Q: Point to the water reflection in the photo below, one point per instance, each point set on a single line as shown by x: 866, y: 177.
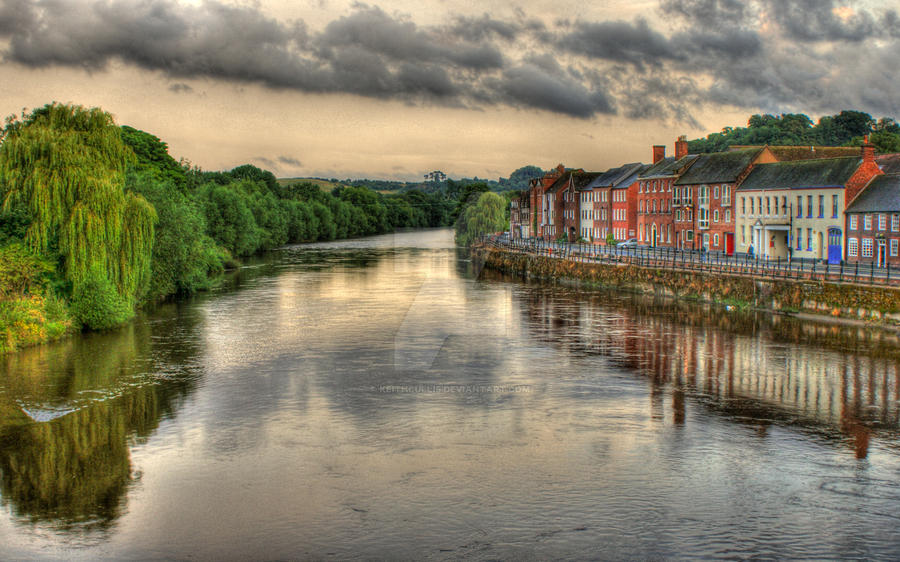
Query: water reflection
x: 841, y: 381
x: 253, y: 422
x: 70, y: 412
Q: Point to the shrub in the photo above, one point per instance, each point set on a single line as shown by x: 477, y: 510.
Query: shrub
x: 97, y: 305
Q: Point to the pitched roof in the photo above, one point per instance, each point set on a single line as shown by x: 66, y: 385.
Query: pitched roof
x: 791, y: 153
x: 611, y: 176
x: 668, y: 166
x: 719, y: 166
x: 889, y: 163
x: 825, y: 172
x: 583, y: 179
x: 626, y: 181
x: 881, y: 195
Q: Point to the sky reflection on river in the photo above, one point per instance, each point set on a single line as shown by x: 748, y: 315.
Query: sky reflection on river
x: 372, y: 398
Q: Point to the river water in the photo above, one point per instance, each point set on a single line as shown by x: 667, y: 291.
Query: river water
x: 381, y: 398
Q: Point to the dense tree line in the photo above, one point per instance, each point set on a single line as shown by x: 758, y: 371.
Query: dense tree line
x: 104, y: 219
x: 847, y: 128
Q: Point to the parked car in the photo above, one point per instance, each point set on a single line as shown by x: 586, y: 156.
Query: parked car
x: 630, y: 243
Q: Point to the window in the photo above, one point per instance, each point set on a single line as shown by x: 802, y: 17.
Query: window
x: 867, y: 221
x: 834, y: 206
x: 894, y: 244
x: 784, y: 210
x: 821, y: 206
x: 768, y: 206
x: 895, y: 223
x: 716, y: 217
x: 715, y: 240
x: 799, y: 239
x: 809, y: 239
x: 727, y: 215
x: 715, y: 192
x: 799, y: 206
x: 726, y: 195
x: 743, y: 235
x: 867, y: 247
x: 654, y: 205
x: 704, y: 218
x: 704, y: 195
x: 743, y: 206
x: 752, y: 207
x: 852, y: 247
x: 853, y: 222
x: 882, y: 222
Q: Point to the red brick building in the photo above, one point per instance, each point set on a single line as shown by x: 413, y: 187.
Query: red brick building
x: 657, y: 204
x: 705, y: 192
x: 623, y: 206
x: 540, y: 210
x: 873, y: 223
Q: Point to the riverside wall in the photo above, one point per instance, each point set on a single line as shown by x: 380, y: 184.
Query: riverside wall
x: 840, y: 300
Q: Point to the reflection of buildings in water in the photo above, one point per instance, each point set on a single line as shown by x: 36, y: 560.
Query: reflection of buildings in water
x: 753, y: 367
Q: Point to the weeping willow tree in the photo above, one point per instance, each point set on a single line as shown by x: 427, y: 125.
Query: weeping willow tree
x: 485, y: 216
x: 66, y: 166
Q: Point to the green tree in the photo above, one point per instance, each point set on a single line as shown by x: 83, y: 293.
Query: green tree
x: 66, y: 165
x: 484, y: 217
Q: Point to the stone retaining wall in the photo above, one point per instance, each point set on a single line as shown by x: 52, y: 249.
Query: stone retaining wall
x: 881, y: 304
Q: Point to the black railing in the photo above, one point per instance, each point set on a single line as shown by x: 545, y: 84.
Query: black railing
x: 699, y: 260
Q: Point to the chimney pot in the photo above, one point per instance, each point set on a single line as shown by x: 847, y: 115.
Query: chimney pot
x: 681, y: 147
x: 659, y: 152
x: 868, y: 151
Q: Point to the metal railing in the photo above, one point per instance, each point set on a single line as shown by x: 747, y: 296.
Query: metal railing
x: 698, y: 260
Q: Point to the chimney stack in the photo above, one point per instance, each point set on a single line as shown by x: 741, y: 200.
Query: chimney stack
x: 681, y: 147
x: 659, y: 152
x: 868, y: 150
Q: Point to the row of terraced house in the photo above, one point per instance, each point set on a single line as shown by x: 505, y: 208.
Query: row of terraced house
x: 821, y: 203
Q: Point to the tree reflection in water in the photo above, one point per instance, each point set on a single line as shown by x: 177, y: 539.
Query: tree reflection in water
x: 70, y: 411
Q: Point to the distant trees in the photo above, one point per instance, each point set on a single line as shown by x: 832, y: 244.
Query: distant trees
x: 846, y: 128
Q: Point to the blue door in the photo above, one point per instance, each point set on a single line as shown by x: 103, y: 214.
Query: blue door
x: 834, y: 245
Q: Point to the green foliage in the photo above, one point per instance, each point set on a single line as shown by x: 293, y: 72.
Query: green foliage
x: 610, y: 240
x: 184, y: 257
x: 22, y: 272
x: 229, y: 219
x: 798, y: 129
x: 152, y: 156
x: 884, y: 141
x: 66, y: 166
x: 485, y: 216
x: 97, y: 305
x: 32, y: 320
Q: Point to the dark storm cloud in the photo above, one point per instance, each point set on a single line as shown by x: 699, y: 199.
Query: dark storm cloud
x: 377, y: 32
x: 289, y: 161
x: 818, y: 20
x: 180, y: 88
x: 619, y: 41
x: 532, y: 86
x: 807, y: 55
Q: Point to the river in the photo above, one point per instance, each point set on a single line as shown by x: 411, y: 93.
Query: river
x: 381, y: 398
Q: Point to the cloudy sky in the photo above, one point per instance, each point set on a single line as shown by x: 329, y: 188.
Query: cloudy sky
x: 336, y: 88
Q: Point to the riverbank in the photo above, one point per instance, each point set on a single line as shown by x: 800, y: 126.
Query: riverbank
x: 846, y: 301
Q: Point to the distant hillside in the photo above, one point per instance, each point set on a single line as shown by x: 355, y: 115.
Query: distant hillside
x: 846, y: 128
x: 518, y: 179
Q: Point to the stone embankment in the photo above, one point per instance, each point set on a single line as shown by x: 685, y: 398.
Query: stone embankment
x: 840, y: 300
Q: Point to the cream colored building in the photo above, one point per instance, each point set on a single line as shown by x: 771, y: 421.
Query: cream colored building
x: 794, y: 209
